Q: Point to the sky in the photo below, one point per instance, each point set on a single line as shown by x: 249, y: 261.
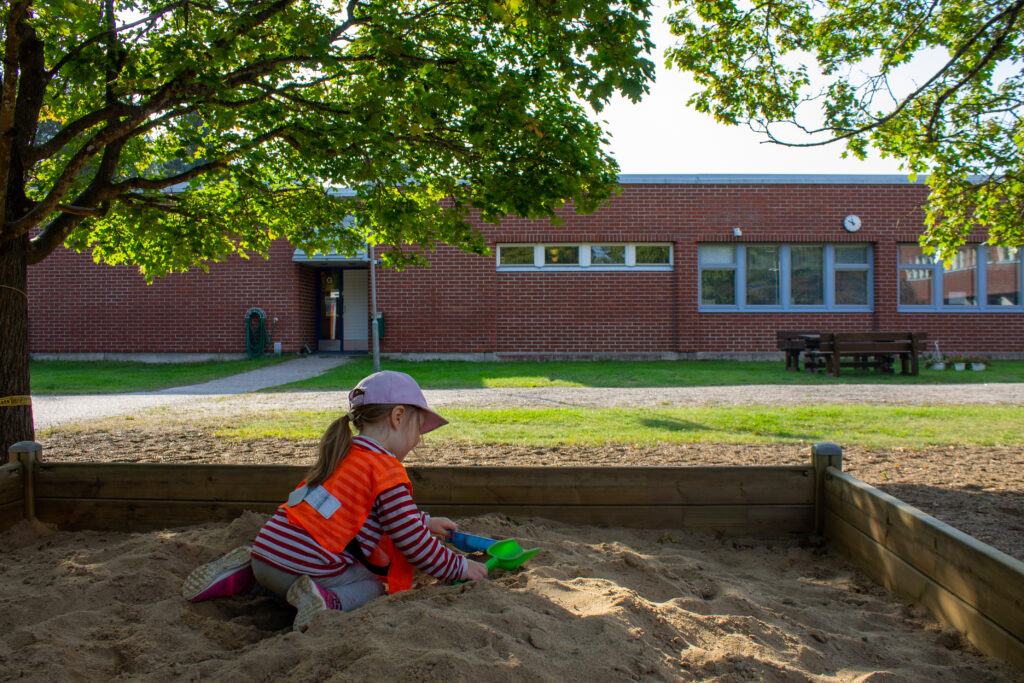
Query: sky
x: 661, y: 135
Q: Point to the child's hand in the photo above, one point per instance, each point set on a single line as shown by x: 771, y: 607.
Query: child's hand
x: 474, y: 571
x: 442, y: 526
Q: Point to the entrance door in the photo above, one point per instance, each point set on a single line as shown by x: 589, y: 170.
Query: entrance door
x: 330, y: 311
x: 356, y: 327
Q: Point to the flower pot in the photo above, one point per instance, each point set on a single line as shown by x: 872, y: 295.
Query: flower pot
x: 977, y: 366
x: 938, y: 366
x: 959, y: 366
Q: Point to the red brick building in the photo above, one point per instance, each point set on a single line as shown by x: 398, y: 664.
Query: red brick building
x: 675, y: 266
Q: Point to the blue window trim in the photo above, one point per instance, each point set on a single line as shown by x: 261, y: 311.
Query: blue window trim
x: 785, y: 263
x: 981, y: 283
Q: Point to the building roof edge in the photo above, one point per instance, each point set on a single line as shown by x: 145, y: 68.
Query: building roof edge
x: 767, y: 179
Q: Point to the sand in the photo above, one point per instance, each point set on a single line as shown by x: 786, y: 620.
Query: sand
x: 594, y: 604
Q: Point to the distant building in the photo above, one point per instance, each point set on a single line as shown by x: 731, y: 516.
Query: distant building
x: 674, y: 266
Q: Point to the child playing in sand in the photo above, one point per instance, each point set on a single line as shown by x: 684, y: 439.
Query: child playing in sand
x: 351, y: 528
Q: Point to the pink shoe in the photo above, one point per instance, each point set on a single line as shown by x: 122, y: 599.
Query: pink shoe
x: 309, y: 599
x: 229, y: 575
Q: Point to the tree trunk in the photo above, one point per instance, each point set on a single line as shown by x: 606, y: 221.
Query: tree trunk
x: 15, y: 409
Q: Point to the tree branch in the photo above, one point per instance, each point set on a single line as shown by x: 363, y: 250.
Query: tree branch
x: 80, y: 210
x: 52, y: 236
x: 905, y: 102
x: 74, y: 52
x: 1000, y: 40
x: 77, y: 127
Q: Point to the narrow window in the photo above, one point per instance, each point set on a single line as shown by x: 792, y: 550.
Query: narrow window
x: 916, y: 269
x: 718, y: 274
x: 807, y: 275
x: 1003, y: 276
x: 960, y: 279
x: 762, y: 276
x: 851, y: 274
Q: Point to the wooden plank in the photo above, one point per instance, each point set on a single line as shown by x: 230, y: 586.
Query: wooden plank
x: 174, y: 482
x: 902, y: 579
x: 11, y: 484
x: 11, y: 514
x: 614, y: 485
x: 138, y: 515
x: 988, y: 580
x: 879, y: 336
x: 782, y: 485
x: 849, y: 348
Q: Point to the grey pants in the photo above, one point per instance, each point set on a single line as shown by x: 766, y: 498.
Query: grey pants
x: 354, y: 587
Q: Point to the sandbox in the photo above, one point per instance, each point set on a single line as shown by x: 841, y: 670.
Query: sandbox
x: 678, y: 572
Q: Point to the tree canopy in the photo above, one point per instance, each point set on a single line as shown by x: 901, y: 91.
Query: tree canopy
x: 169, y: 132
x: 936, y: 84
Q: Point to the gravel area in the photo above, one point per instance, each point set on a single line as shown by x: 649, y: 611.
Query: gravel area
x: 770, y: 394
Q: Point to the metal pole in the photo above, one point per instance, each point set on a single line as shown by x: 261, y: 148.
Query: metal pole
x: 373, y: 321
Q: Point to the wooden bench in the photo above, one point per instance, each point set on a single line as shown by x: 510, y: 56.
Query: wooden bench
x: 865, y: 350
x: 793, y: 343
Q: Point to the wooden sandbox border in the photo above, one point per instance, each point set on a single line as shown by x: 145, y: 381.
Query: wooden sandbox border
x: 961, y: 581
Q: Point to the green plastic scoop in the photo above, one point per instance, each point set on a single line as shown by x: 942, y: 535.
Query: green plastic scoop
x: 508, y: 554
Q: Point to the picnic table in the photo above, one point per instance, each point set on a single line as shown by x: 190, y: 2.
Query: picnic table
x: 832, y: 351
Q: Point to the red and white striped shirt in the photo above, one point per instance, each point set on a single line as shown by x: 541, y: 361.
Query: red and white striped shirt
x: 290, y: 548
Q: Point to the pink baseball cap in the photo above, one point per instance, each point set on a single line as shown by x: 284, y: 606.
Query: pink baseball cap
x: 388, y: 386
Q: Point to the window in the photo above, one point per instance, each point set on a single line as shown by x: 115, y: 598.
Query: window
x: 516, y: 256
x: 762, y: 276
x: 782, y: 277
x: 596, y: 257
x: 653, y: 254
x: 807, y: 275
x: 1002, y: 265
x: 561, y: 256
x: 852, y: 264
x: 608, y: 255
x: 718, y: 275
x: 980, y: 277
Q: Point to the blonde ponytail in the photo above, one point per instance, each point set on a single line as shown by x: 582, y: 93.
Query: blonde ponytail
x: 337, y: 440
x: 333, y: 448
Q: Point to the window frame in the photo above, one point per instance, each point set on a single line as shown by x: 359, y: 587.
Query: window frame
x: 739, y: 266
x: 980, y: 282
x: 584, y: 257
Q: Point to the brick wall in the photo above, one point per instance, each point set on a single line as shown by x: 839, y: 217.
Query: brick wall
x: 77, y: 306
x: 462, y: 304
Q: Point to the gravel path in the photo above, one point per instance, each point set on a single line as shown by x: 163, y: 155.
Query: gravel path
x: 864, y: 394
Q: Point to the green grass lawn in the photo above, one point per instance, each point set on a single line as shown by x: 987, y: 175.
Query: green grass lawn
x: 110, y: 377
x: 685, y: 373
x: 866, y: 426
x: 103, y: 377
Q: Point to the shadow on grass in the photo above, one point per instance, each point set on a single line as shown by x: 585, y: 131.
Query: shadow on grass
x: 671, y: 424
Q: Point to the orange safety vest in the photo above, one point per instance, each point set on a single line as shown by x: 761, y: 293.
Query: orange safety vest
x: 334, y: 512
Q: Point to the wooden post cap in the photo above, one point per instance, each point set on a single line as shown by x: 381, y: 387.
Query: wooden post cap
x: 826, y: 448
